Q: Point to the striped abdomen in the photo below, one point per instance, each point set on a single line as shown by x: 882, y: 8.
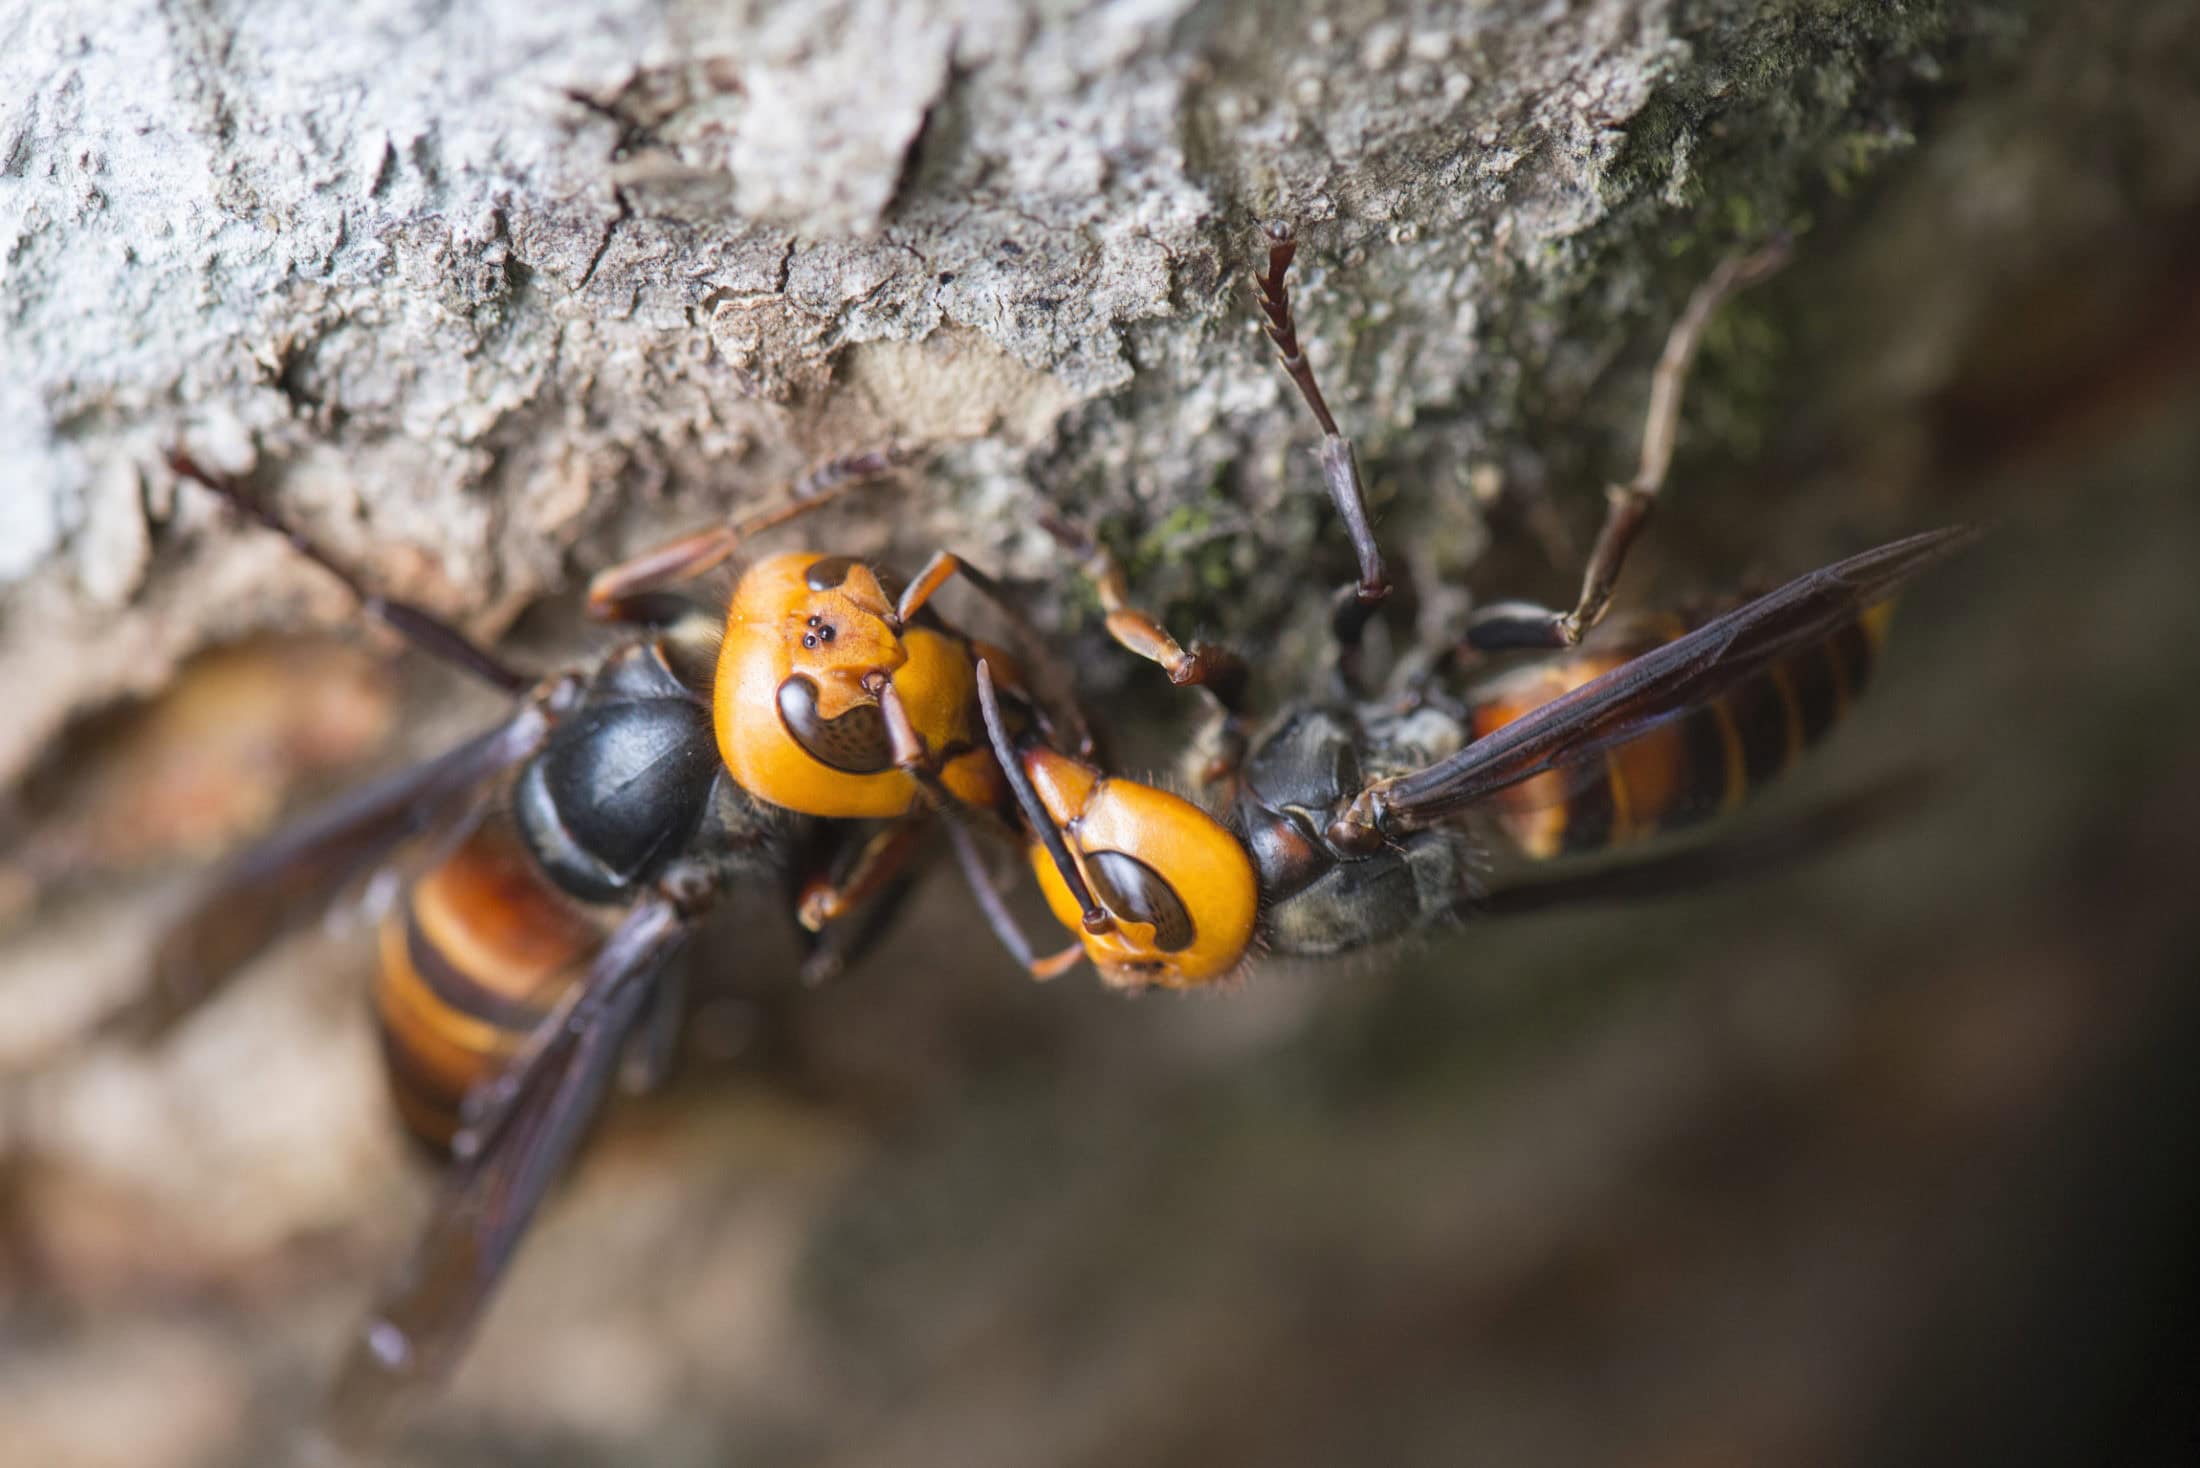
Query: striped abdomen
x: 1687, y: 768
x: 478, y: 952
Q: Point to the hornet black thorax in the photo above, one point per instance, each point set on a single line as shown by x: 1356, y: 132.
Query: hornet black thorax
x: 1299, y: 775
x: 626, y: 782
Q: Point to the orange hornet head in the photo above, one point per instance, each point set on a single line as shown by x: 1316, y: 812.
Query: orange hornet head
x: 795, y: 723
x: 1174, y: 889
x: 796, y: 698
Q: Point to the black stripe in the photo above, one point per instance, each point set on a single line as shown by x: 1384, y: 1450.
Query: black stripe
x: 1589, y: 815
x: 462, y: 992
x: 1853, y: 646
x: 408, y: 1075
x: 1702, y: 778
x: 1761, y: 722
x: 1817, y: 685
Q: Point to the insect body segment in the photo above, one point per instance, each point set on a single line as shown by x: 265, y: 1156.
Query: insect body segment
x: 491, y: 938
x: 472, y: 962
x: 811, y: 643
x: 1692, y: 765
x: 1320, y: 897
x: 1157, y: 891
x: 1177, y: 887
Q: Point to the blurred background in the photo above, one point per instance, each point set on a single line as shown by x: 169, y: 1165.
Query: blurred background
x: 1891, y: 1158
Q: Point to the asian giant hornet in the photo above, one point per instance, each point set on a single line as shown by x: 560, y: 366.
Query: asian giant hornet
x: 560, y: 858
x: 1349, y: 821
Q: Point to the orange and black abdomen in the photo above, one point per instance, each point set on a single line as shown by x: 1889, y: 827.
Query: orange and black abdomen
x: 479, y: 951
x: 1687, y: 768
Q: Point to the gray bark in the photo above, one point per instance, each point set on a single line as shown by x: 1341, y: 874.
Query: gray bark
x: 495, y: 290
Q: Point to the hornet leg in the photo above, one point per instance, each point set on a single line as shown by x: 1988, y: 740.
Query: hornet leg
x: 422, y: 628
x: 631, y: 590
x: 1355, y: 603
x: 1504, y: 626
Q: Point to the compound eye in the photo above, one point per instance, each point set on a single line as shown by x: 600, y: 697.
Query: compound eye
x: 855, y: 743
x: 1132, y: 890
x: 828, y: 573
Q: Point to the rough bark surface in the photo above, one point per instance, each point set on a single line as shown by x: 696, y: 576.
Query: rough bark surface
x: 492, y: 291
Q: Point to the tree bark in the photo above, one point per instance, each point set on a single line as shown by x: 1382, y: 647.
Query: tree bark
x: 488, y: 293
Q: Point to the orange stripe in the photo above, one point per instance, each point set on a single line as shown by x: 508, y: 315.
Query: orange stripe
x: 496, y: 917
x: 1844, y: 690
x: 1623, y: 816
x: 1737, y: 766
x: 454, y: 1048
x: 1655, y: 769
x: 510, y: 942
x: 1536, y: 812
x: 1785, y: 687
x: 1535, y: 815
x: 1874, y: 622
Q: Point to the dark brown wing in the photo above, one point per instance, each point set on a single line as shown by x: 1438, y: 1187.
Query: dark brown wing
x: 1666, y: 681
x: 291, y: 878
x: 423, y: 1321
